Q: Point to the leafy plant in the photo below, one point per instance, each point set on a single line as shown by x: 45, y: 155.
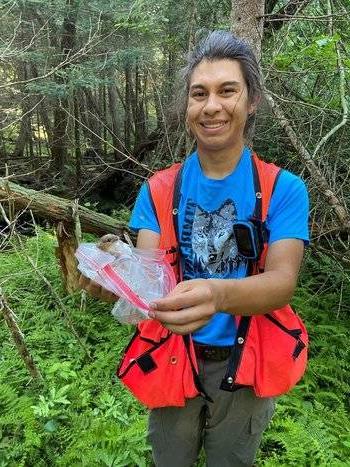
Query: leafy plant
x: 81, y: 416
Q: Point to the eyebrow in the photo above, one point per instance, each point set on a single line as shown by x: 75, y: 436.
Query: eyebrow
x: 225, y: 83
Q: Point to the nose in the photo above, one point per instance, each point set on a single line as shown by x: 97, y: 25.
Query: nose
x: 212, y: 105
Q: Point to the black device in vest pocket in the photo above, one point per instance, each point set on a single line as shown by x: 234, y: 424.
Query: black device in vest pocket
x: 249, y: 239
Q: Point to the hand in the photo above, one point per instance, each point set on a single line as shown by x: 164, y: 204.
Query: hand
x: 188, y: 307
x: 96, y: 290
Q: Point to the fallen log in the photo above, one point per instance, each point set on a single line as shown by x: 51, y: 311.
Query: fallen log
x: 65, y: 214
x: 58, y: 209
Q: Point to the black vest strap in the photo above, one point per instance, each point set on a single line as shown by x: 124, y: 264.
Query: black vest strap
x: 257, y: 190
x: 196, y: 379
x: 176, y: 202
x: 227, y: 383
x: 175, y: 214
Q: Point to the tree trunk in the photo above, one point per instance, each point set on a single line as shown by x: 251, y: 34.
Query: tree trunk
x: 115, y: 118
x: 138, y: 109
x: 23, y: 136
x: 3, y: 151
x: 67, y: 245
x: 247, y: 22
x: 192, y: 25
x: 59, y: 143
x: 25, y: 132
x: 103, y: 104
x: 127, y: 119
x: 60, y: 139
x: 77, y: 145
x: 44, y: 115
x: 93, y: 117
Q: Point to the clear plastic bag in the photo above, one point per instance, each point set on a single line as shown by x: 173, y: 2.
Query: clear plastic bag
x: 136, y: 276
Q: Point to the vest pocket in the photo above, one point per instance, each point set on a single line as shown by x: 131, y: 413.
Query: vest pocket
x: 283, y: 343
x: 156, y: 367
x: 294, y: 333
x: 273, y: 353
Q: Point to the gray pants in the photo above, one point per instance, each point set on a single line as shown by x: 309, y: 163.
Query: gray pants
x: 230, y: 428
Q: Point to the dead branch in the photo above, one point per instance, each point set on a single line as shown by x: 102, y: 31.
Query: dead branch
x: 287, y: 12
x: 18, y: 339
x: 342, y: 92
x: 70, y: 58
x: 271, y: 17
x: 126, y: 156
x: 339, y: 208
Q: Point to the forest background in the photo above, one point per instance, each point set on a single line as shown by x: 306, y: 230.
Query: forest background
x: 87, y: 112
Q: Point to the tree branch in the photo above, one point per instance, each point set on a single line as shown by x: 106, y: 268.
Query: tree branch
x: 18, y: 338
x: 339, y: 208
x: 276, y: 20
x: 342, y: 85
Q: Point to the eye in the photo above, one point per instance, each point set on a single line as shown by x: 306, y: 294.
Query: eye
x: 228, y: 91
x: 198, y: 94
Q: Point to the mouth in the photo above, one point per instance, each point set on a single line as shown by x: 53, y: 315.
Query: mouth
x: 213, y: 125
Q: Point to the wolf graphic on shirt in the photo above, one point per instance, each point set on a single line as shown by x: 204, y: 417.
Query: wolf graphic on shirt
x: 213, y: 245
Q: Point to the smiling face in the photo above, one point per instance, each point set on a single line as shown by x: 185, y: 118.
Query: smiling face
x: 218, y: 105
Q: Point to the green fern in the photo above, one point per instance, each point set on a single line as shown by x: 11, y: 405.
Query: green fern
x: 78, y: 417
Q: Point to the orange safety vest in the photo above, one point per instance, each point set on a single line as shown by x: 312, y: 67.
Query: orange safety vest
x: 270, y: 350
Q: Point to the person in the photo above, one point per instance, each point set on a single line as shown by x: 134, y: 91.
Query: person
x: 222, y: 92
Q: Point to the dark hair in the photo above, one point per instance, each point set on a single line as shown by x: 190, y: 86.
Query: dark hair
x: 223, y: 45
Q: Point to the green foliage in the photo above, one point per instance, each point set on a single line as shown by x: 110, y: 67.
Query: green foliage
x: 143, y: 17
x: 77, y: 417
x: 319, y: 53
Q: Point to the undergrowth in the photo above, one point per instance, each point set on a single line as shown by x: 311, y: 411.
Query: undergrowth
x: 81, y: 416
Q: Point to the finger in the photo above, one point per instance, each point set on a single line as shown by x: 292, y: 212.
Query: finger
x: 181, y: 300
x: 186, y: 329
x: 182, y: 317
x: 186, y: 286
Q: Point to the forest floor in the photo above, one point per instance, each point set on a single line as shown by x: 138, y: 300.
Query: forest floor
x: 80, y: 415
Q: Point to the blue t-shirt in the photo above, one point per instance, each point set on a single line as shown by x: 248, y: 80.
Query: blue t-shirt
x: 207, y: 209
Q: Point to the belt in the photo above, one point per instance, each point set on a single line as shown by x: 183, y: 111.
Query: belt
x: 212, y: 352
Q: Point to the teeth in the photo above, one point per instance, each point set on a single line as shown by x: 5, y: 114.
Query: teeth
x: 215, y: 125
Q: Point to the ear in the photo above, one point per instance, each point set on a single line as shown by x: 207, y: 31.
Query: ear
x: 254, y: 105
